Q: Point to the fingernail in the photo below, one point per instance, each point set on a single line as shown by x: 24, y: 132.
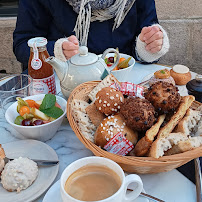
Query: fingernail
x: 75, y: 42
x: 144, y: 38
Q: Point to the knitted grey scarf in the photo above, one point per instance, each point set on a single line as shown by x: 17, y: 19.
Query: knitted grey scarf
x: 101, y: 10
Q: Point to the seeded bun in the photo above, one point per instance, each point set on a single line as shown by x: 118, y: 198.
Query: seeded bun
x: 112, y: 125
x: 180, y: 74
x: 109, y: 101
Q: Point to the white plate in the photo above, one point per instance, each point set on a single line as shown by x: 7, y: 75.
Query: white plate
x: 182, y: 89
x: 53, y: 195
x: 36, y: 150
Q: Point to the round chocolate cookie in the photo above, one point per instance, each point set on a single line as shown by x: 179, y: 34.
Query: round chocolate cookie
x: 163, y: 96
x: 138, y: 113
x: 109, y: 100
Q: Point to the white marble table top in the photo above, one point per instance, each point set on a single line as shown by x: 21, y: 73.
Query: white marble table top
x: 171, y: 186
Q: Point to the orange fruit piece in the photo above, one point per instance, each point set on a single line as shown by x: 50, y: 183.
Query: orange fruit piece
x: 32, y: 104
x: 24, y: 110
x: 121, y: 60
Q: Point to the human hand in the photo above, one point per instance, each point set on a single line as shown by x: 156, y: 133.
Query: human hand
x: 70, y: 47
x: 153, y: 37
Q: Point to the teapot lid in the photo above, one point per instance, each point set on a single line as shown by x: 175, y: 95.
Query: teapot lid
x: 84, y: 57
x: 195, y: 84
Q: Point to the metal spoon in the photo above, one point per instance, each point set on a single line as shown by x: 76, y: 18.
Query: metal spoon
x: 149, y: 196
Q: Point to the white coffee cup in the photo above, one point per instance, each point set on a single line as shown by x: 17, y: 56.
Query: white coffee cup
x: 133, y: 180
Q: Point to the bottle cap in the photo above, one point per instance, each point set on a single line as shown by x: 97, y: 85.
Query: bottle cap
x: 39, y: 41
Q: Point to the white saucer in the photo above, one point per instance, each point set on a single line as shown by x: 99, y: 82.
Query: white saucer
x: 35, y: 150
x: 53, y: 195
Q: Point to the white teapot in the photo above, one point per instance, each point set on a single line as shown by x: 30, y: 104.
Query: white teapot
x: 81, y: 68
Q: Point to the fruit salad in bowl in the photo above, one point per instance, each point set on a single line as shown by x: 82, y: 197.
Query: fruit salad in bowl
x: 124, y: 67
x: 33, y: 113
x: 36, y: 117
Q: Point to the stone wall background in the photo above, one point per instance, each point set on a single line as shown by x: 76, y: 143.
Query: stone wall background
x: 182, y: 19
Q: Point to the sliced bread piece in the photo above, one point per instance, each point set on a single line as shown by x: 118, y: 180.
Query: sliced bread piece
x: 81, y: 117
x: 106, y: 82
x: 188, y: 123
x: 79, y: 105
x: 161, y: 145
x: 183, y: 146
x: 144, y: 144
x: 184, y: 105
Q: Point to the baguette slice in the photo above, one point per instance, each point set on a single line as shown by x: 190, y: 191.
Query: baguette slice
x: 184, y: 105
x: 144, y: 144
x: 106, y: 82
x: 189, y: 122
x: 161, y: 145
x: 183, y: 146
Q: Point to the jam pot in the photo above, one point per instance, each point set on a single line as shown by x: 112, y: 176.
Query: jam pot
x: 194, y: 87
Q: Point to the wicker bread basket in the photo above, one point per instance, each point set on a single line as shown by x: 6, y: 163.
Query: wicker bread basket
x: 141, y: 165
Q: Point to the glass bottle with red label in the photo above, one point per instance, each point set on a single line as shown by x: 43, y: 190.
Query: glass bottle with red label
x: 41, y: 72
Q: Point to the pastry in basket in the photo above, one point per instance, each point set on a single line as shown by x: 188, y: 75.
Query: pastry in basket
x: 2, y: 156
x: 144, y: 144
x: 180, y: 74
x: 191, y: 126
x: 109, y: 100
x: 186, y: 145
x: 161, y: 145
x: 163, y: 96
x: 112, y: 125
x: 94, y: 114
x: 19, y: 174
x: 106, y: 82
x: 198, y: 132
x: 188, y: 124
x: 85, y: 125
x: 162, y: 75
x: 184, y: 105
x: 138, y: 113
x: 166, y: 139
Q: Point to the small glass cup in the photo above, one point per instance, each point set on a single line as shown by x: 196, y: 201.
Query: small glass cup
x: 12, y: 86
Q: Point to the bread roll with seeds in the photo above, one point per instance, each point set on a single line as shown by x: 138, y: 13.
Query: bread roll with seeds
x: 109, y: 101
x: 112, y: 125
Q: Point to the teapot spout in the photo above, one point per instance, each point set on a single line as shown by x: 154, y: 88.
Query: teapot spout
x: 59, y: 66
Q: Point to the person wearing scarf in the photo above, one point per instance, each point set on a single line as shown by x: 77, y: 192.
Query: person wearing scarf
x: 130, y: 25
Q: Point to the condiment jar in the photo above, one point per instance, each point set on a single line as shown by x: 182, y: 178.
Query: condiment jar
x: 41, y: 72
x: 194, y: 87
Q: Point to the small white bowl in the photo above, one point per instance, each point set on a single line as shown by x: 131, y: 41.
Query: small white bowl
x: 123, y: 74
x: 42, y: 132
